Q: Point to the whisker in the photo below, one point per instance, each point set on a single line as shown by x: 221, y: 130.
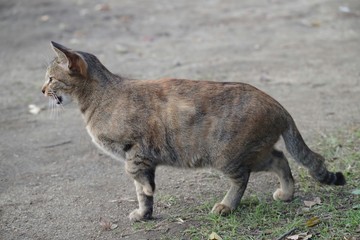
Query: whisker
x: 54, y: 106
x: 51, y: 106
x: 53, y: 109
x: 55, y: 103
x: 56, y: 112
x: 61, y: 107
x: 58, y: 104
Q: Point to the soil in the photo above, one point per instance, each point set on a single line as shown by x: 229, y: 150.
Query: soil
x: 55, y: 184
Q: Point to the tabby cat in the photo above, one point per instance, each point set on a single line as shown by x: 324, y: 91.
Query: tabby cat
x: 228, y: 126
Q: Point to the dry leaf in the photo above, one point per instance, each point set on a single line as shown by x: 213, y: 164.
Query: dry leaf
x: 300, y: 236
x: 179, y: 220
x: 312, y: 222
x: 122, y: 200
x: 113, y: 226
x: 102, y: 7
x: 107, y: 225
x: 33, y: 109
x: 44, y: 18
x: 293, y: 237
x: 350, y: 238
x: 316, y: 201
x: 214, y: 236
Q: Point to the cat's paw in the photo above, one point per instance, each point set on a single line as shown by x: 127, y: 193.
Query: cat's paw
x: 138, y: 215
x: 281, y: 195
x: 221, y: 209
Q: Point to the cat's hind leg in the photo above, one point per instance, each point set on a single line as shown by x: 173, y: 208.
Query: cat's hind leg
x: 280, y: 166
x: 143, y: 173
x: 234, y: 195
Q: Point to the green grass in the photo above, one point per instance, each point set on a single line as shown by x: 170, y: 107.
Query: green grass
x: 338, y: 212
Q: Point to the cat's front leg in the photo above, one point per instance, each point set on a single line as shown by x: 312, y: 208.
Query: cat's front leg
x: 142, y: 171
x: 146, y: 202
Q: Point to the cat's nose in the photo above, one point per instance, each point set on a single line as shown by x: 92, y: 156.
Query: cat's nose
x: 43, y: 90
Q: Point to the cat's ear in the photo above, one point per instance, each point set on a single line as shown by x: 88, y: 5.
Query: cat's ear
x: 72, y: 60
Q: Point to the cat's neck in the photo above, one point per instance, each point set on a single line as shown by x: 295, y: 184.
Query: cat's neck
x: 90, y: 95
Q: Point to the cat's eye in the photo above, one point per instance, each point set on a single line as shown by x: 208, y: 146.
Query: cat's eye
x: 50, y: 79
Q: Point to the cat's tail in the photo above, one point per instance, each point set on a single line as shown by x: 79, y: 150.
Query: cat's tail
x: 311, y: 160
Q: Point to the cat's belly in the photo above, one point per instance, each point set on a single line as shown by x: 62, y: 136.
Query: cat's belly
x: 110, y: 149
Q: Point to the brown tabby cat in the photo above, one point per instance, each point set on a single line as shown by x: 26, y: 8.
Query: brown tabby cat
x: 229, y: 126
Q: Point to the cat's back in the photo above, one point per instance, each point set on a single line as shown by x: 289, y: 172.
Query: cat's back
x: 184, y: 91
x: 189, y: 89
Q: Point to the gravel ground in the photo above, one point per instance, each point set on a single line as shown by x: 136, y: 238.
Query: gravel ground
x: 54, y: 184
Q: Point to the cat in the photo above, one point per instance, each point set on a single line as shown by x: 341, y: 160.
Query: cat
x: 228, y: 126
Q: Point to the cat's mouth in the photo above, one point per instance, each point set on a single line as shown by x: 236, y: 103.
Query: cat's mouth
x: 59, y: 99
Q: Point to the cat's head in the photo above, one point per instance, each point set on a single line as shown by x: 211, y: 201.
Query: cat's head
x: 66, y: 73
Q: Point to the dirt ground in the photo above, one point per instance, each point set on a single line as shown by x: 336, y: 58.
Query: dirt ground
x: 54, y: 184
